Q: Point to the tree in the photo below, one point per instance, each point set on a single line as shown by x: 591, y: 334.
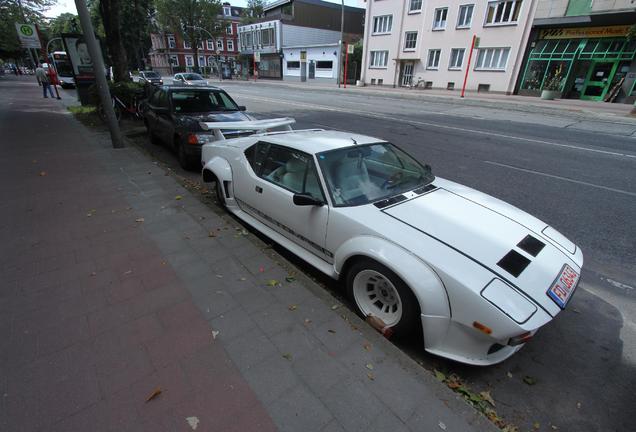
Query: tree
x: 110, y: 12
x: 188, y: 17
x: 12, y: 11
x: 63, y: 23
x: 253, y: 11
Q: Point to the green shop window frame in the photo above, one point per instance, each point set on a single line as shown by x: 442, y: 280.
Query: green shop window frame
x: 549, y: 54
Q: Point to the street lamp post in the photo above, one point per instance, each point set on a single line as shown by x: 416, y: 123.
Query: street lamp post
x: 341, y: 41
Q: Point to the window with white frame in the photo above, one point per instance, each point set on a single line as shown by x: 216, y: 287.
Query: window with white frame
x: 456, y: 58
x: 379, y: 59
x: 174, y: 60
x: 439, y: 21
x: 230, y: 45
x: 186, y: 44
x: 410, y: 41
x: 492, y: 59
x: 433, y: 59
x: 503, y: 12
x: 211, y: 61
x: 228, y: 29
x: 415, y: 6
x: 172, y: 43
x: 267, y: 37
x: 201, y: 60
x: 189, y: 60
x: 227, y: 11
x: 465, y: 16
x: 200, y: 45
x: 210, y: 44
x: 219, y: 44
x: 382, y: 24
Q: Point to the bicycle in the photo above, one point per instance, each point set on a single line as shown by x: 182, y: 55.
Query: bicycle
x: 419, y: 84
x: 133, y: 109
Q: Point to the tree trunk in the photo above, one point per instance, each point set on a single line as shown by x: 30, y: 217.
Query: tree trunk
x: 110, y: 12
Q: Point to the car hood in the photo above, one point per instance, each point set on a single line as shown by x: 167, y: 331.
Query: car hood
x: 485, y: 230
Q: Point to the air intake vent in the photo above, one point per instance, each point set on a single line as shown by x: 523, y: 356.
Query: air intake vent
x: 389, y: 201
x: 531, y: 245
x: 514, y: 263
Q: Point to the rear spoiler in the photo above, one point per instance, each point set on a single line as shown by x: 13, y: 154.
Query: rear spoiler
x: 257, y: 126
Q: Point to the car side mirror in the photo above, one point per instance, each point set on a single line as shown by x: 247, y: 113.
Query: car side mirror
x: 242, y: 108
x: 304, y: 199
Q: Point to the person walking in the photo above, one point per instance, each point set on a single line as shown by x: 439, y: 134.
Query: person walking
x: 43, y: 79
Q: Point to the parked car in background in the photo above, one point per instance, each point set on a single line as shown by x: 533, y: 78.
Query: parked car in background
x: 416, y: 252
x: 190, y: 79
x: 149, y: 77
x: 173, y: 114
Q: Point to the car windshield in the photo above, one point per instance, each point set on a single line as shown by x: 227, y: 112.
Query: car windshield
x: 151, y: 74
x: 200, y: 101
x: 192, y: 77
x: 364, y: 174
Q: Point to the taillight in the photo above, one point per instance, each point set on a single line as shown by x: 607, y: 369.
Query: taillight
x: 192, y: 139
x: 521, y: 339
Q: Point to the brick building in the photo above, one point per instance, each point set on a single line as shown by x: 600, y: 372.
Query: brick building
x: 170, y: 53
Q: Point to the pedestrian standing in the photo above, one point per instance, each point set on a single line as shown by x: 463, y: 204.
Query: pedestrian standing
x: 43, y: 78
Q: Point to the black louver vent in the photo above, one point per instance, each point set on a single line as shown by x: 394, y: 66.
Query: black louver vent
x: 531, y: 245
x: 514, y: 263
x: 389, y: 201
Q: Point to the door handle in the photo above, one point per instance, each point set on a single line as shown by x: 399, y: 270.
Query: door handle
x: 259, y: 189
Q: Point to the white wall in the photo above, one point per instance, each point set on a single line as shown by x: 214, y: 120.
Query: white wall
x: 513, y: 36
x: 320, y: 53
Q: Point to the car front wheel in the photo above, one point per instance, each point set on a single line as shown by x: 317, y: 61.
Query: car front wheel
x: 376, y: 290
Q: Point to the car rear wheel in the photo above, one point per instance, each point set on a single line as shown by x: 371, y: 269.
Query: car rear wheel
x: 376, y: 290
x: 186, y: 161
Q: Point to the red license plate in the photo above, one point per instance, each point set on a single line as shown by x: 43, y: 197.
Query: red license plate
x: 563, y: 287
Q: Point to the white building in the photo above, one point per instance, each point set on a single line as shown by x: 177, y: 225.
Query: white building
x: 429, y: 41
x: 298, y: 39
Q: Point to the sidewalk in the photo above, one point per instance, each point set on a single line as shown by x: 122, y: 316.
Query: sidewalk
x: 118, y: 282
x: 611, y: 112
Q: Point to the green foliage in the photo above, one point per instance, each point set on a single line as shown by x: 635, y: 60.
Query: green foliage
x: 10, y: 13
x: 253, y: 11
x: 188, y: 17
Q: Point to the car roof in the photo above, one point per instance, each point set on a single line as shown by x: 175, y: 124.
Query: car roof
x: 173, y: 87
x: 312, y: 141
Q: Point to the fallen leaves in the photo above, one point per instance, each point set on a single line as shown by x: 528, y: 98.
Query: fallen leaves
x: 290, y: 279
x: 529, y: 380
x: 331, y: 331
x: 369, y: 366
x: 215, y: 333
x: 487, y: 397
x: 442, y: 426
x: 156, y: 392
x: 370, y: 376
x: 42, y: 173
x: 292, y: 307
x: 139, y: 220
x: 91, y: 213
x: 178, y: 197
x: 272, y: 283
x: 366, y: 346
x: 193, y: 422
x: 287, y: 356
x: 334, y: 307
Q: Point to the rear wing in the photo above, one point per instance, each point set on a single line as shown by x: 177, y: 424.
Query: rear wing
x: 257, y: 126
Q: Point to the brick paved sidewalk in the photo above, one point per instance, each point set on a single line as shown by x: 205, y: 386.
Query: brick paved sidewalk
x: 113, y: 286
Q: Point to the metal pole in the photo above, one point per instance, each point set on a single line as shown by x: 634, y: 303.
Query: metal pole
x: 346, y: 64
x: 100, y: 76
x: 341, y: 41
x: 33, y: 59
x: 470, y: 57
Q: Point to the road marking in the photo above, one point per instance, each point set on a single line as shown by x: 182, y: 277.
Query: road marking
x: 618, y: 284
x: 620, y: 191
x: 422, y: 123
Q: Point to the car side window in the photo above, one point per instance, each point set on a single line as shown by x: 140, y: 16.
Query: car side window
x: 292, y: 170
x: 256, y: 155
x: 163, y: 99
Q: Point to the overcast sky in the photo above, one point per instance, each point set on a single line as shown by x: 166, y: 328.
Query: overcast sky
x: 69, y: 6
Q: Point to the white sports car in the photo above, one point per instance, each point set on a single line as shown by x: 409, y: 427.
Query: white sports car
x: 478, y: 275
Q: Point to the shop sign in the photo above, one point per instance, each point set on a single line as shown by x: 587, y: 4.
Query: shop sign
x: 584, y: 32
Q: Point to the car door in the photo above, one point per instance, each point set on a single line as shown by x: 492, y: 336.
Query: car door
x: 151, y: 115
x: 273, y: 174
x: 164, y: 117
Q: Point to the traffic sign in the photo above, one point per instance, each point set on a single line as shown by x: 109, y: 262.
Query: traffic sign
x: 28, y: 35
x: 350, y: 48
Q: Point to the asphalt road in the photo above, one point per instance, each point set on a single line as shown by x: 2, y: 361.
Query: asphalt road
x: 578, y: 176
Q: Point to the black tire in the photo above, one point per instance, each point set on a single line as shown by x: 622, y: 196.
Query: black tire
x: 220, y: 194
x: 187, y: 162
x: 409, y: 323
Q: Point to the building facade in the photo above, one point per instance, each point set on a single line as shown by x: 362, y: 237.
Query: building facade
x: 170, y: 53
x: 428, y: 43
x: 581, y: 48
x: 298, y: 40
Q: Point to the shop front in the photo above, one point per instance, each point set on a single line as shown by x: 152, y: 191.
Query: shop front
x: 590, y: 63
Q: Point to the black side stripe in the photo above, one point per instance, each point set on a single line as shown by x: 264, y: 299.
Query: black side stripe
x: 472, y: 259
x: 285, y: 228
